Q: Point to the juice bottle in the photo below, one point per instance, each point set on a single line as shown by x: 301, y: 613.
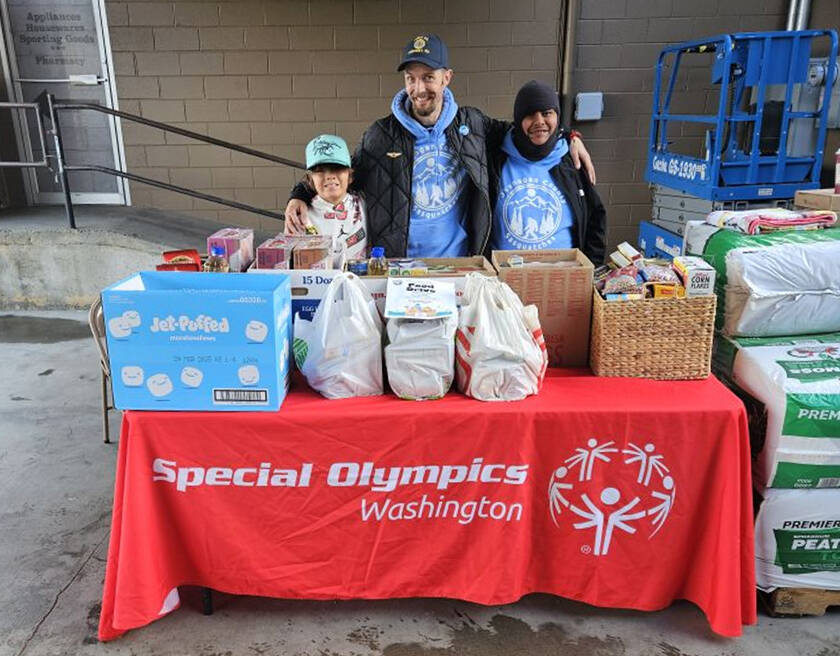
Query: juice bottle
x: 377, y: 265
x: 217, y: 262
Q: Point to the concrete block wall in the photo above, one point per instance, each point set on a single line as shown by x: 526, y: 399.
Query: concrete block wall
x: 618, y: 42
x: 271, y: 75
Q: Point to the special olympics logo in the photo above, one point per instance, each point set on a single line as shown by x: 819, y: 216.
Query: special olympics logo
x: 622, y: 504
x: 532, y: 211
x: 437, y: 181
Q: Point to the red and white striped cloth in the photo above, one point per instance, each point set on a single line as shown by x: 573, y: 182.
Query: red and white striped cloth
x: 753, y: 222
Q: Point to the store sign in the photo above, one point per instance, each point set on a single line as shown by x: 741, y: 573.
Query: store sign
x: 54, y: 40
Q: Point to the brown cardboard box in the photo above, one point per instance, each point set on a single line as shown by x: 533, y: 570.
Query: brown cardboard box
x: 562, y: 294
x: 818, y: 199
x: 377, y: 284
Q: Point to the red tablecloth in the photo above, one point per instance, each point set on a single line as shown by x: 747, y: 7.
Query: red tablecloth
x: 616, y: 492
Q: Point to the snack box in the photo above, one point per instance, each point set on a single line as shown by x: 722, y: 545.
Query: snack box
x: 313, y: 252
x: 198, y: 341
x: 559, y: 283
x: 238, y: 244
x: 273, y: 253
x: 698, y: 276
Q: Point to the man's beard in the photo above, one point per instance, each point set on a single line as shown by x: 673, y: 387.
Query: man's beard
x: 428, y: 111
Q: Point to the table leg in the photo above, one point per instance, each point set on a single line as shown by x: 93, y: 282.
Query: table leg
x: 207, y: 600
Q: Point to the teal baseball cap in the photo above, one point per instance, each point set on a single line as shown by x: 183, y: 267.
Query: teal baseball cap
x: 327, y: 149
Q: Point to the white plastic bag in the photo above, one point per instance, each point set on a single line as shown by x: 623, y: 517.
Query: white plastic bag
x: 500, y: 350
x: 340, y: 350
x: 420, y: 356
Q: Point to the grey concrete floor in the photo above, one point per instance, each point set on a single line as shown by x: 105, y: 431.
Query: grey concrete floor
x: 56, y: 483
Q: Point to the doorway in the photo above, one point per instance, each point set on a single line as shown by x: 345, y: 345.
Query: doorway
x: 62, y: 47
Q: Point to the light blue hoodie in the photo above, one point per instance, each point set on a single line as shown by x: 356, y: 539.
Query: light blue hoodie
x: 531, y: 212
x: 438, y: 202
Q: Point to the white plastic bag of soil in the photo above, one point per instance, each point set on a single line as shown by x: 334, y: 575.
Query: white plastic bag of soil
x: 340, y: 350
x: 797, y: 380
x: 772, y: 284
x: 797, y: 540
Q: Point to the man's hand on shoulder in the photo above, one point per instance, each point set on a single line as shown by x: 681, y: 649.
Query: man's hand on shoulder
x: 580, y: 156
x: 296, y: 219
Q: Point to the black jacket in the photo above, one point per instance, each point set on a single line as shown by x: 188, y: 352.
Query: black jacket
x: 589, y: 215
x: 382, y: 170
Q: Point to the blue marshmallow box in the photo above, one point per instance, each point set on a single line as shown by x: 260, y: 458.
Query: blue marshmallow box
x: 198, y: 341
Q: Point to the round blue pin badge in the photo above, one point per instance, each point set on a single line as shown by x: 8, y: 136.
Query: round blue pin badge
x: 464, y: 130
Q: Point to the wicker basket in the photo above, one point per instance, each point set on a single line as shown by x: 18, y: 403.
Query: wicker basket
x: 664, y: 338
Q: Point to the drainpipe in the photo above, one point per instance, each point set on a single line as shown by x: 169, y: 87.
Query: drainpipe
x: 803, y: 14
x: 791, y: 17
x: 568, y: 61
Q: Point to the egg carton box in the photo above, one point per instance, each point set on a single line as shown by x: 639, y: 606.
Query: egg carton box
x: 198, y: 341
x: 308, y: 287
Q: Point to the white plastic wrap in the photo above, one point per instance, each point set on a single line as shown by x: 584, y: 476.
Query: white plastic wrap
x: 790, y: 289
x: 340, y: 350
x: 420, y: 356
x: 500, y: 351
x: 797, y: 540
x: 798, y: 382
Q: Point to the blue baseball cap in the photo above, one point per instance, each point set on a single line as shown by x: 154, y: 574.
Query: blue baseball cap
x: 327, y: 149
x: 428, y: 49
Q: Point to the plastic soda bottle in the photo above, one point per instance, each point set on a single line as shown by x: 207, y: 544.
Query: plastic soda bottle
x: 216, y: 262
x: 377, y: 265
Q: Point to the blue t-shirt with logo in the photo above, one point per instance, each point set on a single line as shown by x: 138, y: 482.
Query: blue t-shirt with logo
x: 438, y: 202
x: 531, y: 212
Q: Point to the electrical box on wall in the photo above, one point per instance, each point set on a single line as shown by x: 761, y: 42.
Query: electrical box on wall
x: 589, y: 106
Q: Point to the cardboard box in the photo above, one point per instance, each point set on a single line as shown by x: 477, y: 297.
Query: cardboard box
x: 199, y: 341
x: 563, y: 295
x: 377, y: 285
x: 818, y: 199
x: 656, y: 241
x: 697, y: 275
x: 308, y: 287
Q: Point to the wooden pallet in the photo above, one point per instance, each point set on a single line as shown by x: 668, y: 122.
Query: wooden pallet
x: 795, y: 602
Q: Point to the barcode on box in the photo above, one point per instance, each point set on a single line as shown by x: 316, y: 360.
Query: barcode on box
x: 240, y: 396
x: 828, y: 482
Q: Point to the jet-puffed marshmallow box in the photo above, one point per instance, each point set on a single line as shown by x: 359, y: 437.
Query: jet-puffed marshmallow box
x: 199, y: 341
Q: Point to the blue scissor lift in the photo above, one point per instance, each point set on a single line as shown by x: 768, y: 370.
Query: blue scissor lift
x: 764, y: 141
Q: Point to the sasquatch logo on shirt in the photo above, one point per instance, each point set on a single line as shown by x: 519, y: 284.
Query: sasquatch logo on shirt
x: 437, y: 181
x: 532, y: 211
x: 608, y: 489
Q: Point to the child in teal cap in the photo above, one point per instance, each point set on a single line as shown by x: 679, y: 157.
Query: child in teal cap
x: 334, y: 211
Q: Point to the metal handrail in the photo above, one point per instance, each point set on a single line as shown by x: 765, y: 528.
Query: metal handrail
x: 48, y: 106
x: 25, y: 106
x: 184, y: 133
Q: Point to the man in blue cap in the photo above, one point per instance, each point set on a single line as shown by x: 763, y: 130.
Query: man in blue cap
x: 423, y: 169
